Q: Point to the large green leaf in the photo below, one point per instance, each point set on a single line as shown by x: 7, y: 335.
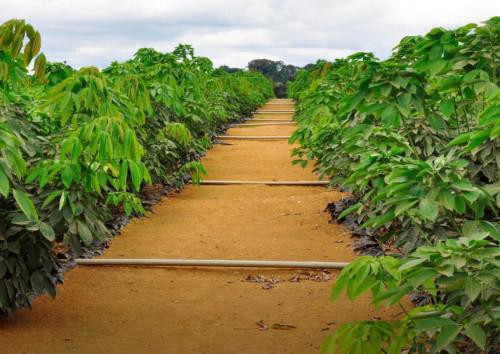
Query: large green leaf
x: 447, y: 107
x: 401, y: 208
x: 47, y: 231
x: 25, y: 204
x: 476, y: 333
x: 84, y: 232
x: 390, y: 116
x: 429, y: 209
x: 135, y: 172
x: 4, y: 183
x: 446, y: 336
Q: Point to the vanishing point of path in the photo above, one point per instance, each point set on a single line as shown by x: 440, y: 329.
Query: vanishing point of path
x: 184, y: 310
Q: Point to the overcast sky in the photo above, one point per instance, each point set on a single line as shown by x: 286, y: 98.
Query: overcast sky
x: 96, y: 32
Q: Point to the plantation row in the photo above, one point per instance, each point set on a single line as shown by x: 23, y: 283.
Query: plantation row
x: 77, y: 146
x: 415, y: 140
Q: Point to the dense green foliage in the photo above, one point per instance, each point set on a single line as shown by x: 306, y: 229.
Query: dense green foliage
x: 415, y: 140
x: 78, y: 145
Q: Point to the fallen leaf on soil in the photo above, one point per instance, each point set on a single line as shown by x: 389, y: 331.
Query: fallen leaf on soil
x: 269, y: 283
x: 284, y: 326
x: 328, y: 324
x: 312, y: 276
x: 262, y: 326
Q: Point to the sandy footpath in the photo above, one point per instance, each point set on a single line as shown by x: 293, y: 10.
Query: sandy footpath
x: 167, y: 310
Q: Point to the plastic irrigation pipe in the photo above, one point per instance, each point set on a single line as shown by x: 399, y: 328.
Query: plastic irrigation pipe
x: 263, y: 123
x: 255, y: 137
x: 273, y: 112
x: 269, y: 120
x: 210, y: 263
x: 263, y: 110
x: 278, y: 183
x: 245, y: 119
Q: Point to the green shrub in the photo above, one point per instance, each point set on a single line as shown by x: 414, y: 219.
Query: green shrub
x: 414, y: 139
x: 77, y: 146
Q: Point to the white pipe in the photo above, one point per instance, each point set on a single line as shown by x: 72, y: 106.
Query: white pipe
x: 260, y: 124
x: 255, y: 137
x: 270, y: 120
x: 273, y: 112
x: 278, y: 183
x: 262, y: 110
x: 210, y: 263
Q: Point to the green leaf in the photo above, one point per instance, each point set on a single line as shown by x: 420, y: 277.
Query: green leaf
x: 477, y: 139
x: 436, y: 122
x: 3, y: 271
x: 463, y: 186
x: 136, y: 175
x: 62, y: 200
x: 380, y: 220
x: 67, y: 176
x: 490, y: 115
x: 355, y: 100
x: 399, y: 82
x: 392, y: 295
x: 433, y: 323
x: 461, y: 139
x: 429, y: 209
x: 447, y: 107
x: 391, y: 117
x: 421, y: 276
x: 4, y: 183
x: 84, y: 232
x: 447, y: 199
x: 127, y: 208
x: 412, y: 263
x: 437, y: 66
x: 401, y: 208
x: 338, y: 286
x: 123, y: 175
x: 47, y: 231
x: 459, y: 204
x: 446, y: 336
x: 476, y: 333
x: 53, y: 195
x: 25, y: 204
x: 472, y: 288
x: 475, y: 230
x: 349, y: 210
x: 37, y: 282
x: 4, y: 295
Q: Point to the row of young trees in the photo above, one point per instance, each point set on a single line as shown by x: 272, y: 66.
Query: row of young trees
x: 77, y: 145
x: 415, y: 140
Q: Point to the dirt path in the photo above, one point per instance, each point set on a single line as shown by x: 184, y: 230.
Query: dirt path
x: 164, y: 310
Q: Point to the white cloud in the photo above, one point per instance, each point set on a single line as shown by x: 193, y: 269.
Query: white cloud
x: 96, y: 32
x: 231, y: 38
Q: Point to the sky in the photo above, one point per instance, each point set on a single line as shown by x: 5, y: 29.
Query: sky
x: 97, y: 32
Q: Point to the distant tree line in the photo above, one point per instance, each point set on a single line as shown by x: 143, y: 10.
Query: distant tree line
x: 276, y: 70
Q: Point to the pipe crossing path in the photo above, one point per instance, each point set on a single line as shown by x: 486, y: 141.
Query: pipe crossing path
x: 256, y: 206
